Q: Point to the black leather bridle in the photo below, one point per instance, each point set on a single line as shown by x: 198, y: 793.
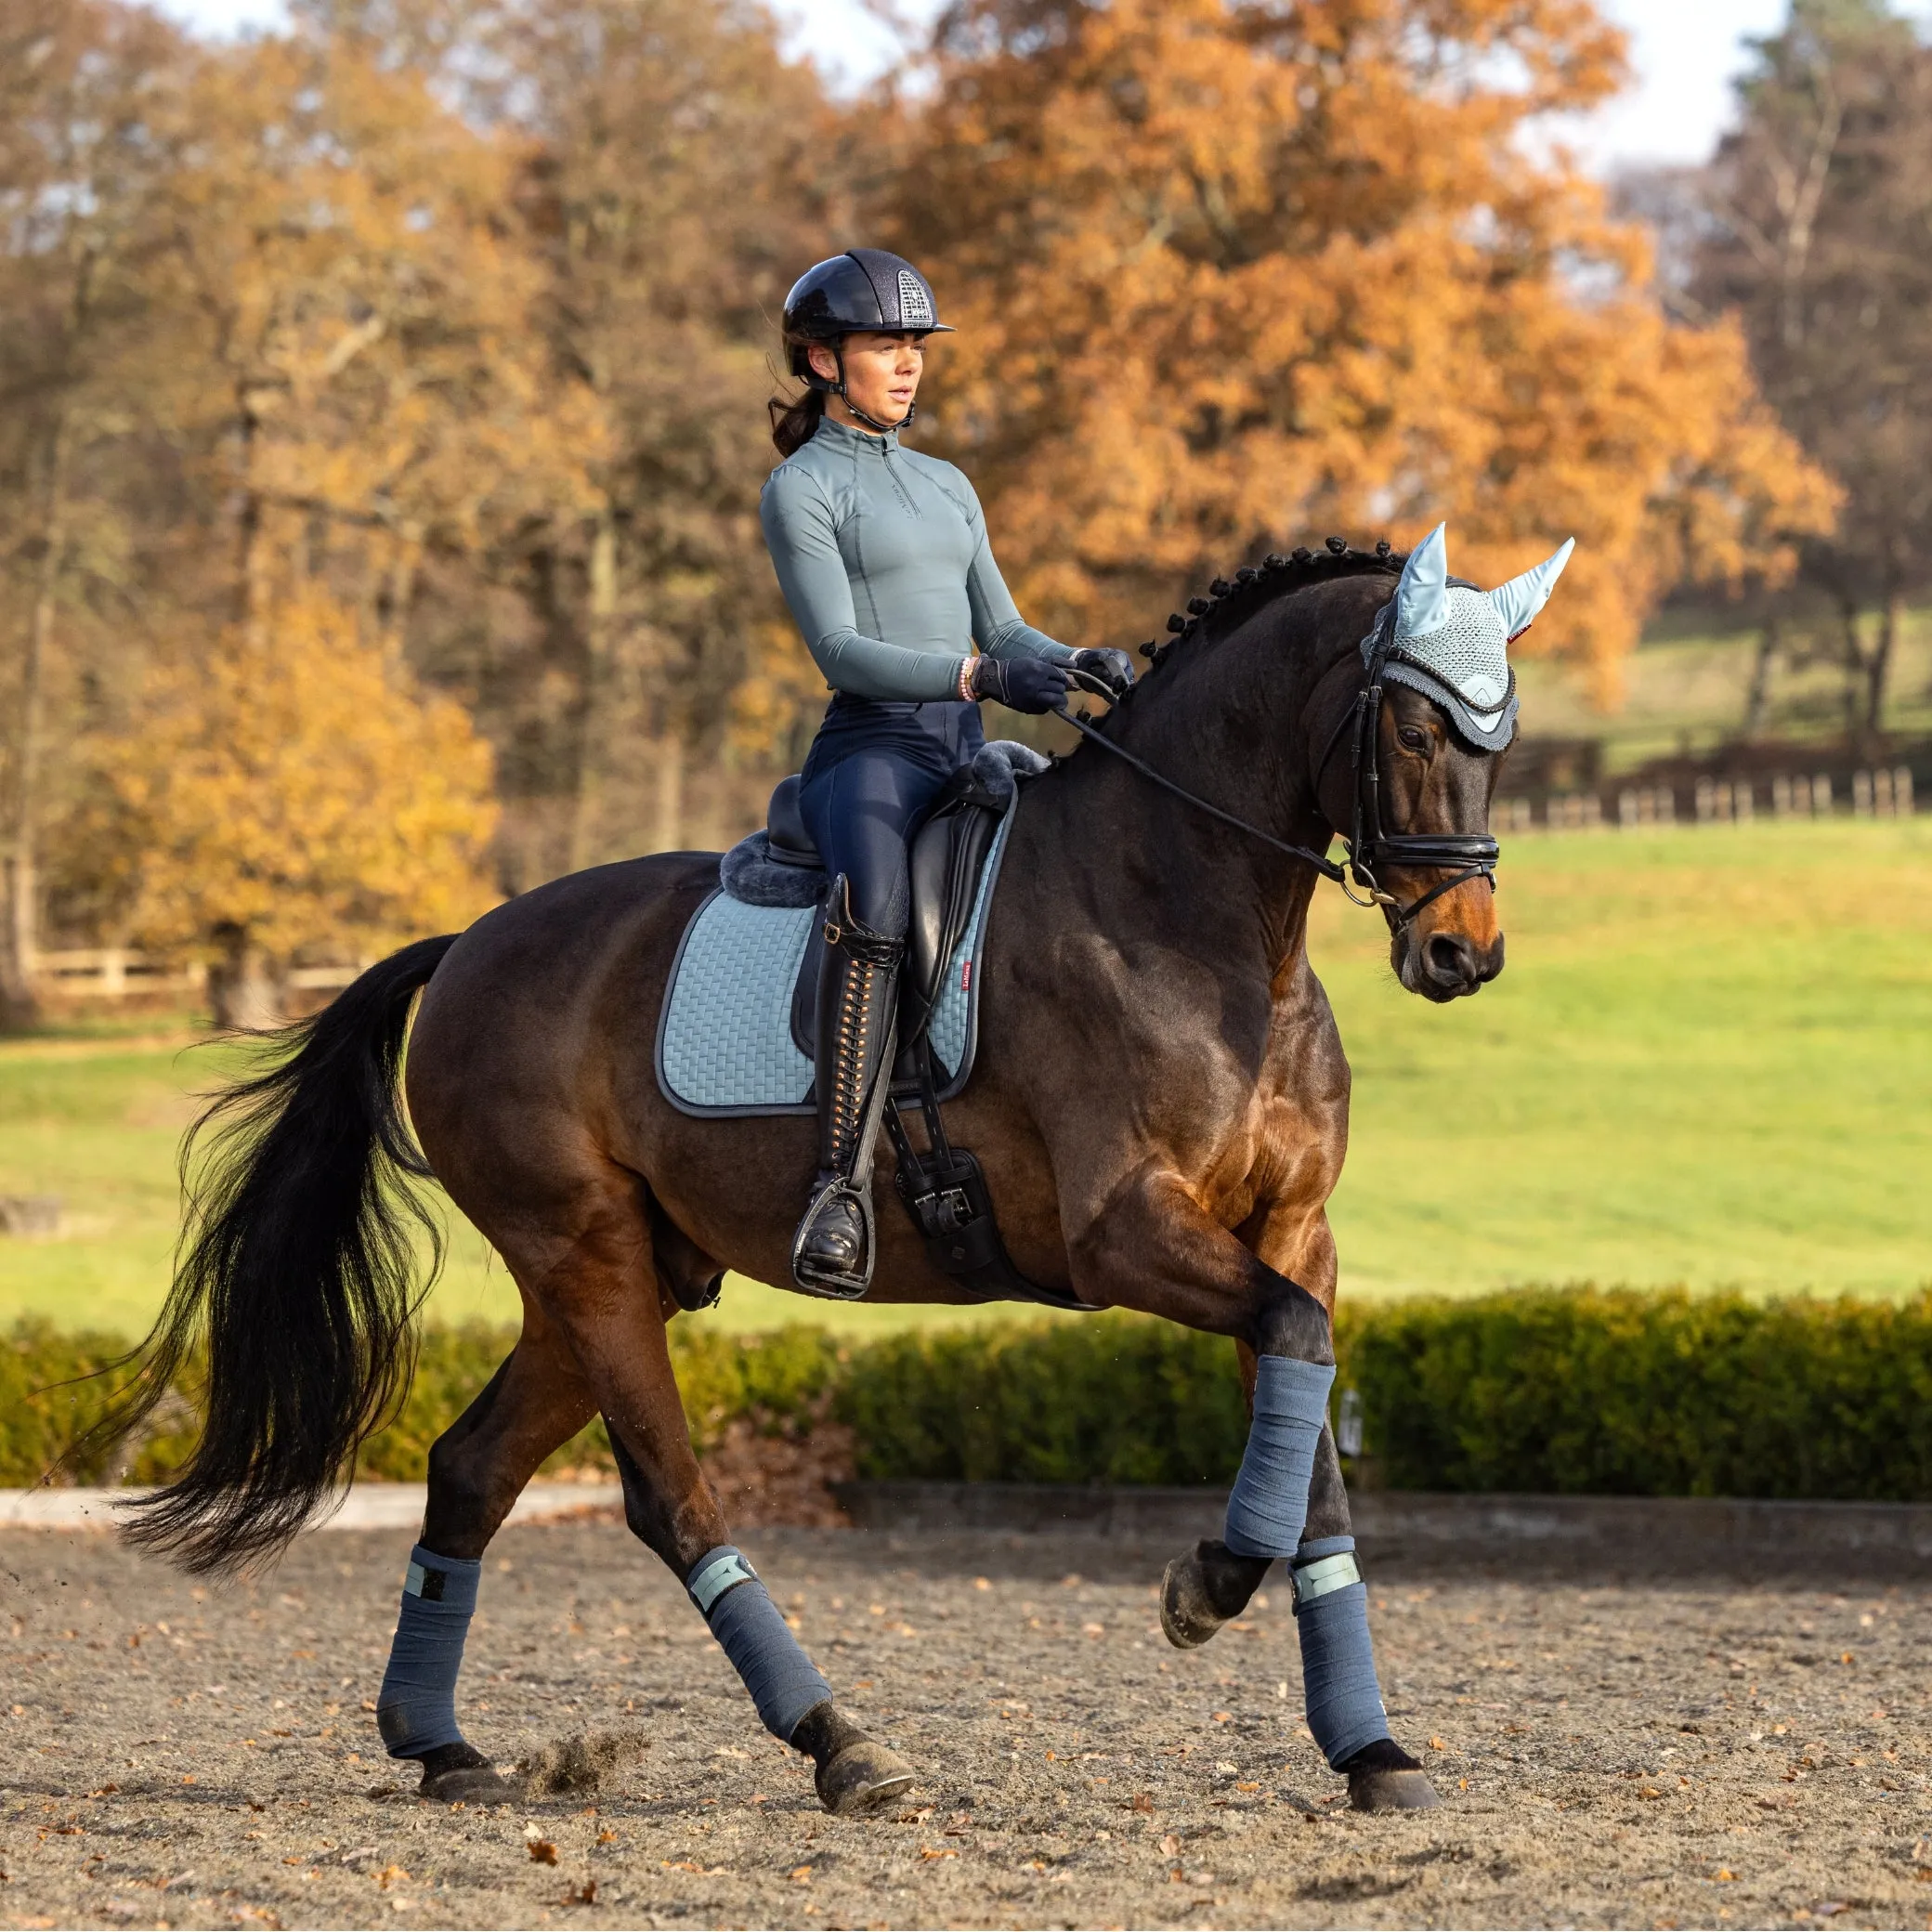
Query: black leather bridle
x: 1465, y: 856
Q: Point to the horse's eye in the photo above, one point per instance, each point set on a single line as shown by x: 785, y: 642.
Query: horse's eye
x: 1413, y: 738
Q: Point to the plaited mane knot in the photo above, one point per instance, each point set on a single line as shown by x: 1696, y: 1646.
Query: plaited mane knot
x: 1256, y: 585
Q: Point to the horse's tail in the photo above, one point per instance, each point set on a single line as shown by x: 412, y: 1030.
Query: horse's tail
x: 296, y: 1278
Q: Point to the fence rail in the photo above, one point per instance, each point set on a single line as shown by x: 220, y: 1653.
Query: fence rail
x: 119, y: 972
x: 1885, y: 793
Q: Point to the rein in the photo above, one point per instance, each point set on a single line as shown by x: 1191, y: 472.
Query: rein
x: 1326, y: 867
x: 1466, y: 855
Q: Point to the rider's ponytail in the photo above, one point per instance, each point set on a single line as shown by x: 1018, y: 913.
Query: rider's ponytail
x: 795, y: 423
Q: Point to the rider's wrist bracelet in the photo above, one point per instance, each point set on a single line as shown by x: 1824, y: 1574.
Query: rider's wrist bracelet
x: 966, y: 694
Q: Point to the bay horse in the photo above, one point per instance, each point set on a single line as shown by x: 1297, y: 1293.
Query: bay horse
x: 1160, y: 1104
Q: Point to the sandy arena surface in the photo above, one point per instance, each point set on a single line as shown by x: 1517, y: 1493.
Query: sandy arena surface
x: 1610, y: 1753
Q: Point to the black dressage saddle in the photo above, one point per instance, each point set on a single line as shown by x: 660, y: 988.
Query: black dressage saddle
x: 941, y: 1186
x: 948, y: 855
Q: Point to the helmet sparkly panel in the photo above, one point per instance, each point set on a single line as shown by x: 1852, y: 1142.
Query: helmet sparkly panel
x: 1468, y: 653
x: 915, y: 305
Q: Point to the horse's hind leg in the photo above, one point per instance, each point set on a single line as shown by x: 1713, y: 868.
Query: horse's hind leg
x: 534, y: 1403
x: 602, y: 1290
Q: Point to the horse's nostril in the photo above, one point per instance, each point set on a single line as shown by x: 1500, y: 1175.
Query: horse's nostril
x: 1450, y: 958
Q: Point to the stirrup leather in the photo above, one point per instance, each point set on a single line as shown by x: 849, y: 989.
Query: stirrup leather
x: 857, y: 1012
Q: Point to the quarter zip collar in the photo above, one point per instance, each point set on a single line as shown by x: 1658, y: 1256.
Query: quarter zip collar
x: 847, y: 436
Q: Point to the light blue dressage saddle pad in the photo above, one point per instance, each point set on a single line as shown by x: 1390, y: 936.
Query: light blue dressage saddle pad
x: 725, y: 1043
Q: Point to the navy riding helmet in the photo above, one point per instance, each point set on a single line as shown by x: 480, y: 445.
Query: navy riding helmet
x: 863, y: 289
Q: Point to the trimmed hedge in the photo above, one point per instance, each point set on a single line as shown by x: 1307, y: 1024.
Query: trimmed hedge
x: 1627, y: 1393
x: 1576, y: 1390
x: 1109, y: 1399
x: 54, y: 1387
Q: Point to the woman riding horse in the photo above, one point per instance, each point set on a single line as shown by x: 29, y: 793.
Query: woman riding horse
x: 883, y: 558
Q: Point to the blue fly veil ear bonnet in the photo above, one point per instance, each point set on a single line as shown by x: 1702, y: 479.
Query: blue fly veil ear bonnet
x: 1450, y: 641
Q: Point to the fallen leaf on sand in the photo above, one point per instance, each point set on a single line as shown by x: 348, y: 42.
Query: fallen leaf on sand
x: 584, y: 1894
x: 389, y: 1875
x: 937, y: 1852
x: 801, y: 1874
x: 542, y: 1851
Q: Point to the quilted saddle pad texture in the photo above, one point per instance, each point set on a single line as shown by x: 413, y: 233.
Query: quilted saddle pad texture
x: 725, y: 1043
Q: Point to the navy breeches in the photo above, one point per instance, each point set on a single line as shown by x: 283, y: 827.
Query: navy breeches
x: 872, y: 774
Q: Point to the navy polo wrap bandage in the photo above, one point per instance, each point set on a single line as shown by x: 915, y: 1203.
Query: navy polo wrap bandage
x: 1337, y: 1662
x: 783, y: 1681
x: 1269, y: 1505
x: 416, y: 1709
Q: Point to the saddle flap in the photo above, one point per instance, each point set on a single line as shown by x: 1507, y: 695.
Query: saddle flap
x: 947, y: 855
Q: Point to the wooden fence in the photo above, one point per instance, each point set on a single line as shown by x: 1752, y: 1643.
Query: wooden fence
x: 119, y: 972
x: 1872, y: 794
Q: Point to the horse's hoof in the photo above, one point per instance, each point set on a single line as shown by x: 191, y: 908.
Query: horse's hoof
x: 468, y: 1784
x: 861, y: 1777
x: 1391, y: 1791
x: 1187, y: 1616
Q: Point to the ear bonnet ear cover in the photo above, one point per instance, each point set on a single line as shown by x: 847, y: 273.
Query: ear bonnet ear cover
x: 1451, y: 641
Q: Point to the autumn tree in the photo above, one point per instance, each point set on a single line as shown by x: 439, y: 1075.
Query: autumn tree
x: 676, y: 180
x: 1227, y: 272
x: 338, y: 384
x: 289, y: 791
x: 374, y: 391
x: 676, y: 172
x: 83, y: 138
x: 1813, y: 225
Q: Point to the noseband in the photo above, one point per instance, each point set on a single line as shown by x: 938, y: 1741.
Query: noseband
x: 1466, y: 855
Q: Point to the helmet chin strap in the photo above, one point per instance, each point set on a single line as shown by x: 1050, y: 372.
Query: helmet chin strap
x: 839, y: 390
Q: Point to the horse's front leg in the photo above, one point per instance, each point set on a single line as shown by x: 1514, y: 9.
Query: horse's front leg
x: 1161, y: 1252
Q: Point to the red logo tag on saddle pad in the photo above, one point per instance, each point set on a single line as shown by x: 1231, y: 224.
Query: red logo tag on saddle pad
x: 966, y: 977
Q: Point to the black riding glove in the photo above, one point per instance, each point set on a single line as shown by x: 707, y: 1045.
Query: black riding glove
x: 1114, y: 670
x: 1021, y: 683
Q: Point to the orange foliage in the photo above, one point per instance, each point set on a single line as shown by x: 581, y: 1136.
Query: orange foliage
x: 373, y: 377
x: 303, y: 793
x: 1231, y: 274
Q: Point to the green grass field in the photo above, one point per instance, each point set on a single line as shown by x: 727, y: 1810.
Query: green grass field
x: 1709, y: 1061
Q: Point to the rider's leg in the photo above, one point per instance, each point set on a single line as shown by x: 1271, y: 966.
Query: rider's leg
x: 861, y: 813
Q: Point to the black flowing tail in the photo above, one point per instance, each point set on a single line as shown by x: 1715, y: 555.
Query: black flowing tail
x: 295, y: 1286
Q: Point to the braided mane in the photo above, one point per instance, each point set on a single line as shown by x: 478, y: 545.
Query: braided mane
x: 1230, y: 603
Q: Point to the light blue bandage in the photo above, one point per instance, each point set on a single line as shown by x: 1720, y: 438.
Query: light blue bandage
x: 1270, y: 1501
x: 416, y: 1709
x: 783, y: 1681
x: 1337, y: 1662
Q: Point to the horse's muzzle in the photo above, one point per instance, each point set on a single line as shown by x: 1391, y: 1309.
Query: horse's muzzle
x: 1444, y: 966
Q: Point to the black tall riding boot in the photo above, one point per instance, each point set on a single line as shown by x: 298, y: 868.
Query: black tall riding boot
x: 859, y: 991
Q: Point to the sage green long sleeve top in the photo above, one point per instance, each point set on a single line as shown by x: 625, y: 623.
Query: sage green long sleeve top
x: 882, y: 555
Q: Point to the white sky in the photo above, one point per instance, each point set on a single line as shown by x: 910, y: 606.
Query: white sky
x: 1683, y: 51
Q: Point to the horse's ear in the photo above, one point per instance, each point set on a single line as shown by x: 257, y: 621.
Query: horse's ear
x: 1517, y: 601
x: 1422, y: 596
